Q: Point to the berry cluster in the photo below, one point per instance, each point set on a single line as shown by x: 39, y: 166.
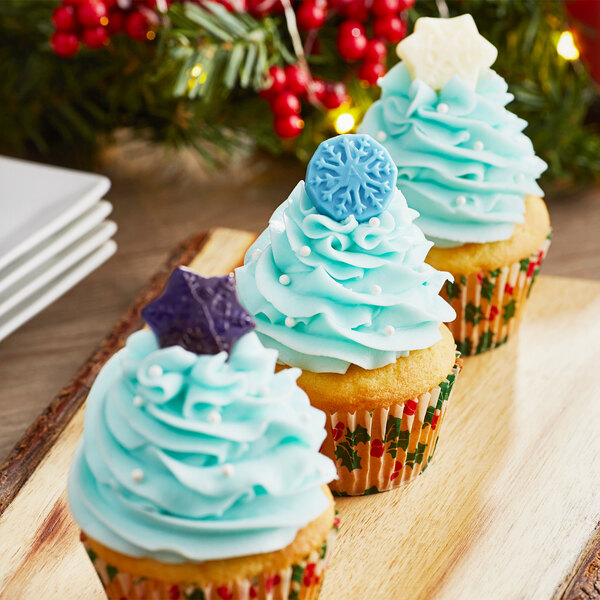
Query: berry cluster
x: 93, y: 22
x: 286, y: 88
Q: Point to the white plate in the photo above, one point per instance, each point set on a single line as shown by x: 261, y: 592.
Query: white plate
x: 56, y: 289
x: 64, y: 260
x: 37, y: 200
x: 43, y: 252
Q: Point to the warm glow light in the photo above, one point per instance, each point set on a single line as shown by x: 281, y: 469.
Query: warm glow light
x: 344, y: 123
x: 150, y: 35
x: 197, y: 71
x: 104, y: 21
x: 566, y: 46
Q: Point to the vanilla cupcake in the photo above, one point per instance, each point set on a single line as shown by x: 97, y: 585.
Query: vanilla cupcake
x: 338, y: 285
x: 466, y: 167
x: 198, y: 474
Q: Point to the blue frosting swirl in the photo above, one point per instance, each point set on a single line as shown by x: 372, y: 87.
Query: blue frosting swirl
x: 463, y: 162
x: 327, y: 293
x: 197, y: 457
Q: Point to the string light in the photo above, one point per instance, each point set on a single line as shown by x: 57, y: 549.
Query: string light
x: 197, y: 71
x: 344, y: 123
x: 566, y: 46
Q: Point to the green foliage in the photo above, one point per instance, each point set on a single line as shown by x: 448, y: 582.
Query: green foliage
x: 196, y: 84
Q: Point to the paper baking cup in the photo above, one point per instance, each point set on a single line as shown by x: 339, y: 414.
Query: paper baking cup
x: 489, y: 304
x: 301, y: 581
x: 375, y: 451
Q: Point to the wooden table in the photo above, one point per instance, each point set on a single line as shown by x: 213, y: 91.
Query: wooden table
x: 159, y: 202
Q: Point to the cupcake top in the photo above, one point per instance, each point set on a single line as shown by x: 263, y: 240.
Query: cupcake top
x: 338, y: 277
x: 193, y: 448
x: 463, y: 162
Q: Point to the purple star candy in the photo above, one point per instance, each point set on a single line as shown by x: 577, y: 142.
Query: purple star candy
x: 200, y: 314
x: 351, y: 175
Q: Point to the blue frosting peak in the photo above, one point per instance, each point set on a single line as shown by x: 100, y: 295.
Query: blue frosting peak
x: 463, y: 162
x: 351, y: 175
x: 189, y: 457
x: 328, y: 293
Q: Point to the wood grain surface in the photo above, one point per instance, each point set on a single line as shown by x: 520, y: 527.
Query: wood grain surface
x: 507, y: 510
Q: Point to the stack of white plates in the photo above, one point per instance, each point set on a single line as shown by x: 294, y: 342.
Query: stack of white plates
x: 53, y: 232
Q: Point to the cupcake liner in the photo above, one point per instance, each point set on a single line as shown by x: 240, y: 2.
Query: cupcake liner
x: 382, y: 449
x: 489, y: 304
x: 301, y: 581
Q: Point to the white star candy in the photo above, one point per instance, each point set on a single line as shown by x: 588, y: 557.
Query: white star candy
x: 438, y: 49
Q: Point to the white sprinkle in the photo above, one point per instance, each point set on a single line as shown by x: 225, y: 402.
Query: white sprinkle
x: 284, y: 279
x: 277, y: 226
x: 304, y: 251
x: 214, y: 417
x: 376, y: 289
x: 255, y: 254
x: 478, y: 146
x: 461, y: 201
x: 290, y: 200
x: 521, y: 177
x: 155, y: 371
x: 137, y: 475
x: 137, y: 401
x: 381, y: 136
x: 443, y: 108
x: 389, y: 330
x: 290, y: 321
x: 227, y: 470
x: 374, y: 222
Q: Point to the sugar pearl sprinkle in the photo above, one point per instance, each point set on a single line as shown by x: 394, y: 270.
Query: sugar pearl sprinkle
x: 290, y: 321
x: 227, y: 470
x: 374, y: 222
x: 381, y: 136
x: 461, y: 201
x: 277, y: 226
x: 155, y: 371
x: 389, y: 330
x: 214, y: 417
x: 304, y: 251
x: 284, y: 279
x: 137, y: 401
x: 376, y: 289
x: 478, y: 146
x: 137, y: 475
x: 443, y: 108
x: 255, y: 254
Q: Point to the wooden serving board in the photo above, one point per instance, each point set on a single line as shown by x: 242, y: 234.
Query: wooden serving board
x: 509, y: 509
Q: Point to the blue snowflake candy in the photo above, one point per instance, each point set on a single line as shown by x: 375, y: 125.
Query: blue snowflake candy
x: 201, y: 314
x: 351, y: 175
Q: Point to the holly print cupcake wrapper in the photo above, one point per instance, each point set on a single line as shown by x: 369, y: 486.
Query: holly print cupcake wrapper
x: 382, y: 449
x: 489, y: 304
x: 301, y: 581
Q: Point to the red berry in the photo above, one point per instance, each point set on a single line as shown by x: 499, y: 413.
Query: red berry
x: 95, y: 37
x: 318, y: 88
x: 371, y: 72
x: 390, y: 28
x: 64, y: 18
x: 376, y: 51
x: 493, y: 313
x: 354, y: 9
x: 335, y: 95
x: 137, y: 26
x: 297, y: 79
x: 288, y: 126
x: 64, y: 44
x: 116, y: 22
x: 73, y: 2
x: 377, y: 448
x: 386, y: 7
x: 406, y: 4
x: 285, y: 103
x: 351, y: 40
x: 509, y: 289
x: 92, y: 13
x: 277, y: 78
x: 310, y: 15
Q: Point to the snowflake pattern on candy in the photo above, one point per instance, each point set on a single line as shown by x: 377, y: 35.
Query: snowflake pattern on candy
x: 203, y: 315
x: 351, y: 175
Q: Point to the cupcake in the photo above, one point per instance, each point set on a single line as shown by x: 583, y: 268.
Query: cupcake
x: 338, y: 286
x: 199, y: 474
x: 466, y: 167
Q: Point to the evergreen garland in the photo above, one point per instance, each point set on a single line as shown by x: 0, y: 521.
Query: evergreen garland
x: 197, y: 84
